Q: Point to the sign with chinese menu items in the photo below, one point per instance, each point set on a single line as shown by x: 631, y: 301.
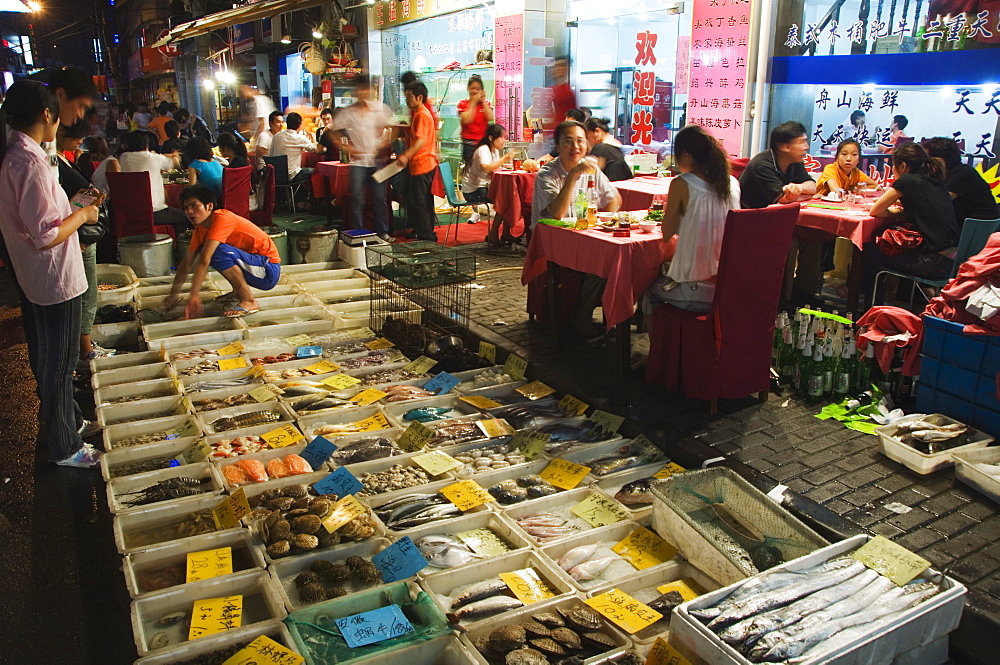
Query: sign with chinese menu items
x: 509, y: 58
x: 396, y: 12
x: 720, y: 35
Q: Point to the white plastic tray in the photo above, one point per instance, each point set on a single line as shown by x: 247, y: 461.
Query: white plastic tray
x: 207, y: 418
x: 460, y: 409
x: 968, y: 471
x: 487, y: 519
x: 557, y: 504
x: 114, y: 433
x: 140, y: 389
x: 208, y: 340
x: 309, y: 424
x: 284, y: 571
x: 291, y: 329
x: 165, y: 450
x: 613, y: 484
x: 274, y: 629
x: 118, y: 488
x: 440, y: 651
x: 113, y: 377
x: 147, y: 409
x: 154, y: 516
x: 154, y: 332
x: 120, y: 360
x: 917, y: 461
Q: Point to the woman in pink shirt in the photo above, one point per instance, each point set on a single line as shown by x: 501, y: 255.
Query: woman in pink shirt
x: 39, y: 226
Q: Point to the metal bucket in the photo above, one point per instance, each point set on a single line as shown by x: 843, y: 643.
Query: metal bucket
x: 280, y: 239
x: 312, y: 246
x: 149, y: 255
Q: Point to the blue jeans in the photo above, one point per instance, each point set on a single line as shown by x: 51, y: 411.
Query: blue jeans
x: 361, y: 185
x: 258, y: 271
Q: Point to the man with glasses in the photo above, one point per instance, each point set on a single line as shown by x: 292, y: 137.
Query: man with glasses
x: 556, y: 187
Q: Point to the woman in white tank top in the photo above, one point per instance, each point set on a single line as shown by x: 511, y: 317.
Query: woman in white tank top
x: 697, y: 204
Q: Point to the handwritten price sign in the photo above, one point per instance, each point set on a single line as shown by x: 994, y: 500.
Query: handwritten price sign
x: 527, y: 585
x: 384, y: 623
x: 488, y: 351
x: 467, y: 494
x: 894, y: 561
x: 598, y: 510
x: 515, y: 366
x: 283, y: 436
x: 231, y: 510
x: 643, y: 549
x: 209, y: 563
x: 265, y: 651
x: 624, y: 611
x: 215, y: 615
x: 564, y: 474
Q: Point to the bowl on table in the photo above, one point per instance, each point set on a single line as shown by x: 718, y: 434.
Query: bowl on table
x: 605, y: 217
x: 647, y: 226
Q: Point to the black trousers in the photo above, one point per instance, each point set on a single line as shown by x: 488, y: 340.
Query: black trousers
x: 420, y: 205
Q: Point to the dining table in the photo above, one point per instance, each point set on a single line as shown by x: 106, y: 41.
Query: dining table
x: 511, y: 193
x: 641, y: 192
x: 172, y: 193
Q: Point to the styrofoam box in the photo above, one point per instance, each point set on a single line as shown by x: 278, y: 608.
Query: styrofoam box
x: 914, y: 627
x: 181, y: 365
x: 614, y: 449
x: 913, y: 459
x: 557, y: 449
x: 160, y: 280
x: 296, y: 268
x: 504, y: 394
x: 460, y: 409
x: 443, y: 587
x: 339, y: 394
x: 266, y: 456
x: 166, y: 450
x: 284, y: 288
x: 229, y: 436
x: 190, y: 327
x: 116, y: 335
x: 613, y: 483
x: 240, y: 636
x: 331, y: 296
x: 490, y: 478
x: 261, y: 603
x: 365, y: 372
x: 221, y: 283
x: 392, y: 434
x: 303, y: 277
x: 375, y: 501
x: 471, y: 374
x: 558, y: 504
x: 491, y: 444
x: 495, y: 522
x: 158, y: 407
x: 188, y: 382
x: 120, y: 360
x: 286, y: 330
x: 284, y: 571
x: 523, y: 614
x: 207, y: 419
x: 605, y: 538
x: 270, y: 302
x: 119, y: 488
x: 280, y: 317
x: 642, y: 586
x: 161, y: 514
x: 323, y: 285
x: 334, y: 336
x: 380, y: 533
x: 245, y: 556
x: 419, y: 383
x: 388, y: 358
x: 406, y: 460
x: 968, y: 471
x: 256, y: 489
x: 217, y: 394
x: 113, y: 377
x: 114, y: 433
x: 309, y: 424
x: 158, y: 292
x: 143, y: 389
x: 124, y: 276
x: 298, y: 363
x: 171, y: 345
x: 439, y: 651
x: 353, y: 314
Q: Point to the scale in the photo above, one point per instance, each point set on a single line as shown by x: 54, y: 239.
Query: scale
x: 352, y: 243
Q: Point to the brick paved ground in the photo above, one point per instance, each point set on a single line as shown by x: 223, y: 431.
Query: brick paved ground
x: 949, y: 524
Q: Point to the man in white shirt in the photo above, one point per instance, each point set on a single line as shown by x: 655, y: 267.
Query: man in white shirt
x: 290, y: 142
x: 255, y: 109
x: 137, y: 158
x: 262, y: 147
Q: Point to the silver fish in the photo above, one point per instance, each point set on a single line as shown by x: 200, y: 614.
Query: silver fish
x: 484, y: 608
x: 431, y: 514
x: 591, y: 568
x: 448, y: 556
x: 479, y: 591
x: 576, y: 556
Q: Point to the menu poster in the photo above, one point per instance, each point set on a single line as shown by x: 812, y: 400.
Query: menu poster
x: 509, y: 62
x: 720, y: 32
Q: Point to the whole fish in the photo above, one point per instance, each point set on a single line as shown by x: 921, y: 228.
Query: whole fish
x: 738, y: 554
x: 320, y: 404
x: 635, y: 493
x: 756, y: 604
x: 365, y: 450
x: 602, y: 466
x: 401, y: 511
x: 847, y: 636
x: 576, y: 556
x: 523, y: 416
x: 432, y: 514
x: 585, y: 431
x: 541, y: 519
x: 479, y: 591
x: 426, y: 414
x: 439, y: 539
x: 590, y: 569
x: 545, y: 533
x: 448, y: 556
x: 484, y: 608
x: 301, y: 391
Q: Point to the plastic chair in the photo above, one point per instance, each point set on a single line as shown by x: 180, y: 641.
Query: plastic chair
x: 281, y: 180
x: 236, y: 190
x: 975, y: 234
x: 454, y: 196
x: 726, y: 353
x: 132, y: 205
x: 736, y: 166
x: 264, y: 213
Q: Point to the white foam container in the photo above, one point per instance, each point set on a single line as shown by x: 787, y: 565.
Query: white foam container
x: 913, y: 459
x: 309, y: 424
x: 391, y: 357
x: 918, y: 626
x: 379, y: 465
x: 305, y: 277
x: 121, y: 275
x: 490, y: 478
x: 304, y: 478
x: 147, y: 409
x: 229, y: 436
x: 333, y: 295
x: 116, y: 335
x: 181, y: 599
x: 115, y: 433
x: 218, y: 394
x: 187, y: 382
x: 504, y: 394
x: 291, y: 329
x: 968, y: 472
x: 168, y: 355
x: 432, y: 488
x: 613, y: 483
x: 222, y: 284
x: 341, y: 442
x: 444, y: 586
x: 208, y: 340
x: 118, y: 487
x: 181, y: 365
x: 365, y: 373
x: 487, y: 519
x: 471, y: 374
x: 298, y: 363
x: 396, y: 411
x: 296, y: 268
x: 175, y: 553
x: 280, y: 302
x: 157, y: 292
x: 189, y: 328
x: 274, y: 629
x: 446, y: 650
x: 355, y: 313
x: 158, y: 515
x: 267, y: 318
x: 256, y: 489
x: 144, y: 389
x: 380, y: 533
x: 610, y: 448
x: 114, y: 377
x: 164, y: 450
x: 206, y: 418
x: 523, y: 614
x: 121, y: 360
x: 461, y: 448
x: 559, y: 504
x: 284, y: 571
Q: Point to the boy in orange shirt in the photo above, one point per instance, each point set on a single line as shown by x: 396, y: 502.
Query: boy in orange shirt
x: 422, y: 162
x: 236, y: 247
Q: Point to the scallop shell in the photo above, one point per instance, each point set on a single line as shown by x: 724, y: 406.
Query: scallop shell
x: 507, y: 638
x: 549, y: 646
x: 549, y: 620
x: 305, y: 541
x: 582, y: 617
x: 525, y: 656
x: 296, y: 491
x: 598, y: 639
x: 327, y: 539
x: 278, y: 531
x: 296, y: 512
x: 281, y: 503
x: 535, y: 629
x: 302, y: 502
x: 279, y: 549
x: 158, y: 641
x: 566, y: 637
x: 320, y: 507
x: 267, y: 495
x: 307, y: 524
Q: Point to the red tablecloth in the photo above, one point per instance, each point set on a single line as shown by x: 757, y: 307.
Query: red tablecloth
x: 642, y: 192
x: 339, y: 175
x: 629, y: 264
x: 311, y: 159
x: 511, y: 193
x: 172, y: 194
x: 853, y: 222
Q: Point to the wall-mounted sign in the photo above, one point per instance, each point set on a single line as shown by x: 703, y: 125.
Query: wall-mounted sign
x: 389, y: 13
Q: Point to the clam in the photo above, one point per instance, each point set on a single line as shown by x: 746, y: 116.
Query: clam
x: 507, y: 638
x: 597, y: 639
x: 158, y: 641
x: 171, y: 619
x: 548, y: 646
x: 549, y: 620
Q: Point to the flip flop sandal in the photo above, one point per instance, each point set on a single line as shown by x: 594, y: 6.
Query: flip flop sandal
x: 240, y: 311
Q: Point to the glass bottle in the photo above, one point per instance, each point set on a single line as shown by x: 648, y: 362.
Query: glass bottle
x: 815, y: 377
x: 844, y: 371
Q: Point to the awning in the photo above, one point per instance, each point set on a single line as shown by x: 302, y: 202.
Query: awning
x: 245, y: 14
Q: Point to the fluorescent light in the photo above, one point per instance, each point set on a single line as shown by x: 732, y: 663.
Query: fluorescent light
x: 317, y: 34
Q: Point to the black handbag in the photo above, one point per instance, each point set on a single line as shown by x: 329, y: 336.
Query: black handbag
x: 91, y: 234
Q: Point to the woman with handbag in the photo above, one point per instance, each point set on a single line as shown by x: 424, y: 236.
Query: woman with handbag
x: 924, y: 241
x: 39, y: 231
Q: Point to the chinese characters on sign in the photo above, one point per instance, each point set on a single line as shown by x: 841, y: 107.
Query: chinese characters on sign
x: 719, y: 39
x: 951, y: 28
x: 644, y: 89
x: 509, y: 57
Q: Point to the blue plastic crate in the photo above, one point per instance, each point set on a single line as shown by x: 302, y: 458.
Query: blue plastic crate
x: 946, y: 341
x: 931, y: 400
x: 929, y: 368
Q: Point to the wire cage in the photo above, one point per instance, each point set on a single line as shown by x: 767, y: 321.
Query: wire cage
x: 418, y: 265
x: 445, y: 308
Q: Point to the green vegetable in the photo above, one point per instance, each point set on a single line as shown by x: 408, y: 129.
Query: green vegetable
x: 654, y: 216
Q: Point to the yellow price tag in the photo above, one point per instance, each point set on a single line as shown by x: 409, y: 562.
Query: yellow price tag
x: 467, y: 494
x: 530, y: 443
x: 488, y: 352
x: 356, y: 333
x: 266, y: 392
x: 230, y: 349
x: 341, y: 381
x: 344, y: 511
x: 669, y: 470
x: 686, y: 588
x: 599, y: 510
x: 662, y: 654
x: 495, y: 427
x: 624, y: 611
x: 535, y: 390
x: 209, y: 563
x: 484, y: 541
x: 894, y: 561
x: 527, y: 585
x: 322, y: 367
x: 608, y: 421
x: 421, y: 365
x: 215, y: 615
x: 298, y: 340
x: 186, y: 428
x: 480, y: 402
x: 370, y: 396
x: 232, y: 363
x: 515, y: 367
x: 199, y: 452
x: 415, y: 436
x: 436, y: 462
x: 644, y: 549
x: 573, y: 406
x: 372, y: 424
x: 283, y: 436
x: 256, y: 370
x: 265, y: 651
x: 380, y: 343
x: 564, y: 474
x: 231, y: 510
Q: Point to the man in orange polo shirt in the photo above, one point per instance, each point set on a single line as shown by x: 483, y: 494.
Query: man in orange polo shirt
x: 235, y: 247
x: 421, y: 161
